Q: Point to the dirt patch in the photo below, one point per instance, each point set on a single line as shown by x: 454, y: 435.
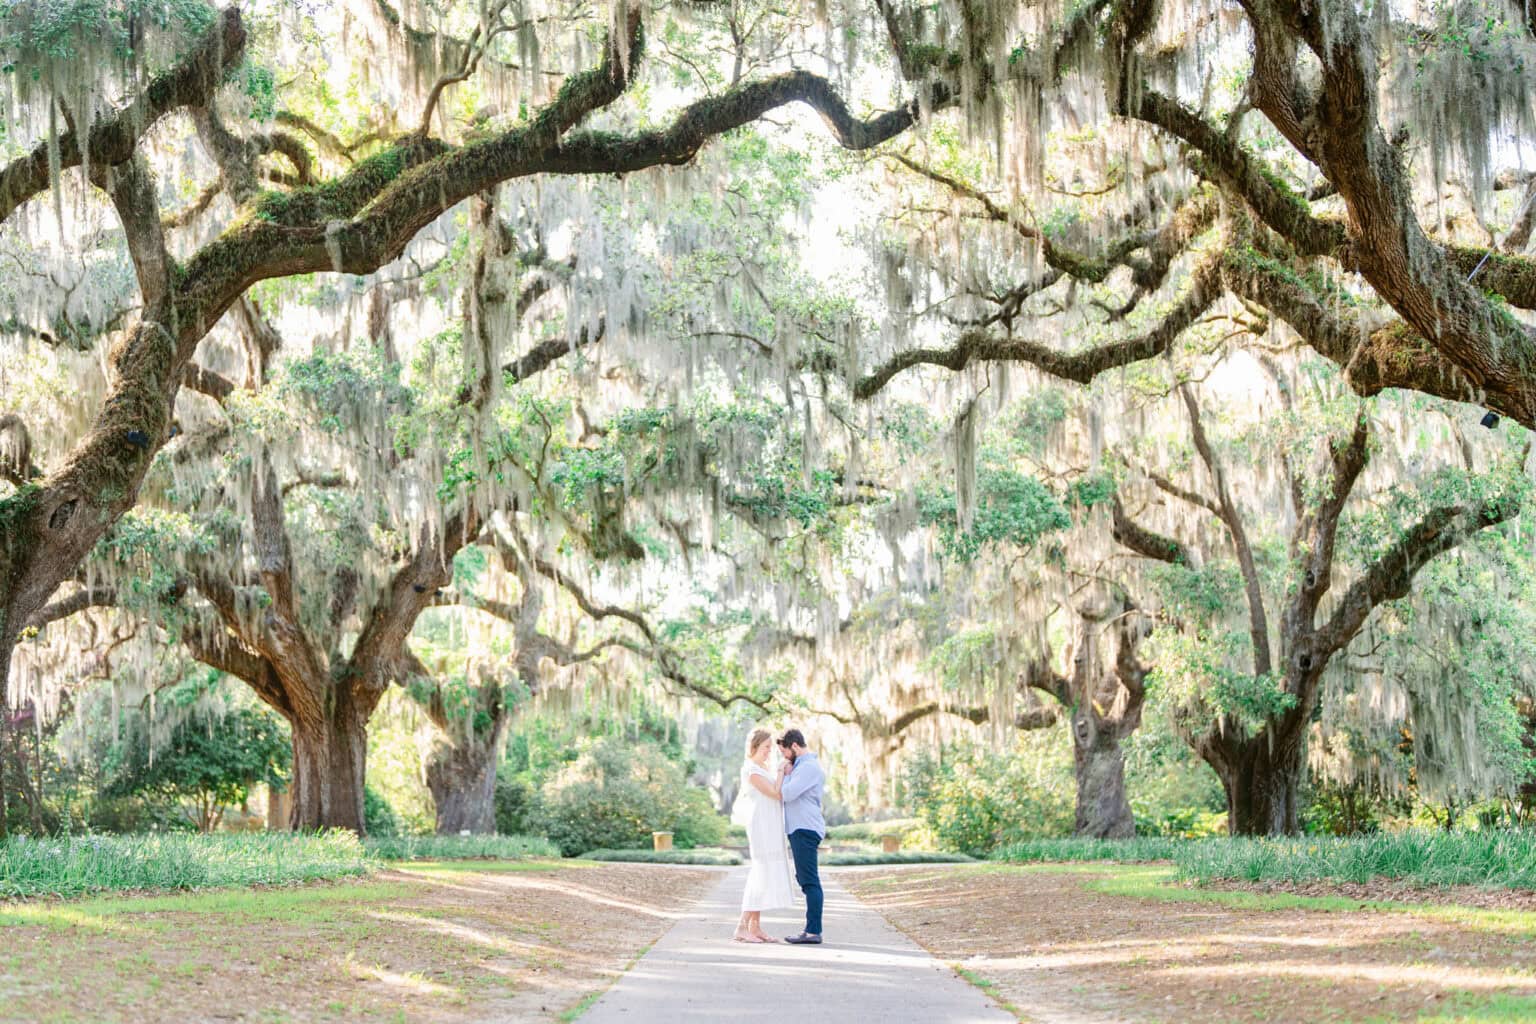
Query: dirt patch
x: 1068, y: 954
x: 433, y: 943
x: 1389, y: 890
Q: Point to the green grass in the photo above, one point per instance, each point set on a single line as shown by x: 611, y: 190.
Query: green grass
x: 80, y: 865
x: 989, y: 986
x: 863, y: 831
x: 1485, y: 1009
x: 1494, y: 859
x: 568, y: 1016
x: 703, y: 855
x: 493, y: 847
x: 874, y: 857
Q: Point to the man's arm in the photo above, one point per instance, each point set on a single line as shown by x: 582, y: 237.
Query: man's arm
x: 802, y: 778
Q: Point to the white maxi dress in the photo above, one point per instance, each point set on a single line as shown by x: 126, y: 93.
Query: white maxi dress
x: 768, y: 877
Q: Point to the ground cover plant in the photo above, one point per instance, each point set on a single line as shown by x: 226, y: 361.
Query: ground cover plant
x: 1497, y: 858
x: 698, y: 855
x: 78, y: 865
x: 1141, y: 848
x: 845, y: 858
x: 472, y: 847
x: 1494, y: 858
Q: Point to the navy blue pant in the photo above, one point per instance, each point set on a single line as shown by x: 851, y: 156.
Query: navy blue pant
x: 802, y: 845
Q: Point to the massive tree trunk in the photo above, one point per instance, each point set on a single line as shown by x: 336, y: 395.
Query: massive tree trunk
x: 1262, y: 783
x: 329, y: 765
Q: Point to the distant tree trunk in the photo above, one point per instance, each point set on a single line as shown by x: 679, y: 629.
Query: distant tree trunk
x: 5, y: 733
x: 1104, y: 698
x: 329, y: 763
x: 1103, y: 810
x: 462, y: 778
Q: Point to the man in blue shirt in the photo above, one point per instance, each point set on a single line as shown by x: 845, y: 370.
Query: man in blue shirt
x: 801, y: 793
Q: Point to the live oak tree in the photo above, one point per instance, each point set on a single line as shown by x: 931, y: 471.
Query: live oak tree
x: 1267, y: 583
x: 1282, y: 186
x: 1301, y: 159
x: 333, y: 206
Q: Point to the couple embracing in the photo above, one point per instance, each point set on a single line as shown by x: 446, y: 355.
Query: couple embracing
x: 781, y: 803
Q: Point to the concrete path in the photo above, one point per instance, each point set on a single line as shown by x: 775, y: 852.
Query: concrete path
x: 865, y: 971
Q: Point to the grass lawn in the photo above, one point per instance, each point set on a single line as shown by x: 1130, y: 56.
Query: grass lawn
x: 1094, y: 941
x: 434, y: 942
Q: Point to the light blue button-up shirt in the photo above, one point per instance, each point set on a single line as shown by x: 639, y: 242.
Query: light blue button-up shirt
x: 801, y: 794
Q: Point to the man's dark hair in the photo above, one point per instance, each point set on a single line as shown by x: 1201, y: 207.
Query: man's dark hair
x: 792, y: 737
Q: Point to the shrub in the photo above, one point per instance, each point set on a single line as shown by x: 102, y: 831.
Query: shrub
x: 205, y: 765
x: 379, y: 818
x: 976, y: 800
x: 516, y: 804
x: 616, y: 794
x: 865, y: 831
x: 697, y: 824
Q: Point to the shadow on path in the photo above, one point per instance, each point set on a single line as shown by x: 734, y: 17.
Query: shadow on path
x: 865, y: 971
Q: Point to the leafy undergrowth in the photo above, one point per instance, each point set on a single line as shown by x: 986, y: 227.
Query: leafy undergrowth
x: 81, y: 865
x: 492, y: 847
x: 1497, y: 858
x: 876, y: 857
x: 864, y: 831
x: 712, y: 856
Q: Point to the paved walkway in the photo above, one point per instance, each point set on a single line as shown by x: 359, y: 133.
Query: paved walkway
x: 865, y: 971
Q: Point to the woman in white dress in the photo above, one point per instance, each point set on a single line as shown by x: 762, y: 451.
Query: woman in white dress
x: 768, y: 878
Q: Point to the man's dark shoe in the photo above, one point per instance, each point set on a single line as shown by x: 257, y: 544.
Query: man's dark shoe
x: 804, y: 939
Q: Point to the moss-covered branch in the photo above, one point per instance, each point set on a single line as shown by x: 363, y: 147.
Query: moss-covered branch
x: 112, y: 138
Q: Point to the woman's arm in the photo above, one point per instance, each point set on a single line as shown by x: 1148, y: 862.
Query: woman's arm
x: 763, y: 786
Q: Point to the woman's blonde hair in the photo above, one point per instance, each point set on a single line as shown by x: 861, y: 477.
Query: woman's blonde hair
x: 757, y: 739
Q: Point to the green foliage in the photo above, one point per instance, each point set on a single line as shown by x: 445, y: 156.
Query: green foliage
x: 516, y: 804
x: 616, y: 793
x: 379, y: 818
x: 34, y: 35
x: 1172, y: 792
x: 1495, y: 859
x: 975, y: 800
x: 497, y: 847
x: 1011, y: 508
x: 864, y: 831
x: 211, y: 762
x: 85, y: 864
x: 1194, y: 674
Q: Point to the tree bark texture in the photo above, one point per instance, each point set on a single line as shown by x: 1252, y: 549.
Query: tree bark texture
x: 1103, y: 694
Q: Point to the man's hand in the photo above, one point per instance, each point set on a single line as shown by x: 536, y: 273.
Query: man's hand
x: 786, y: 766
